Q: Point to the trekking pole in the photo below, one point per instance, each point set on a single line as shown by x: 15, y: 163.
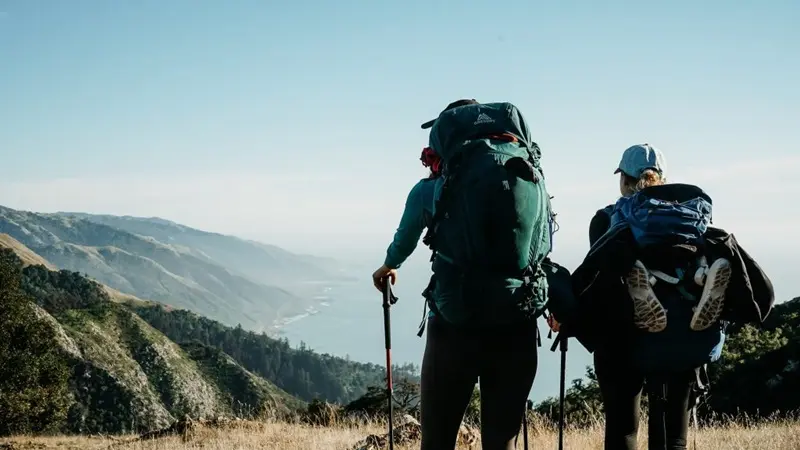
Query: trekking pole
x: 528, y: 407
x: 388, y: 300
x: 561, y: 341
x: 563, y: 345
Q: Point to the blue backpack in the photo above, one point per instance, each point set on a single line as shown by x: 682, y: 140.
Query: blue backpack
x: 668, y: 223
x: 661, y: 222
x: 492, y: 223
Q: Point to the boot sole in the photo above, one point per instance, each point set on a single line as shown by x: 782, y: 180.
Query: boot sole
x: 648, y: 313
x: 709, y: 308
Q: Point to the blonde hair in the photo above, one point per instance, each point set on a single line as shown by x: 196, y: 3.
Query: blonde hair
x: 648, y: 178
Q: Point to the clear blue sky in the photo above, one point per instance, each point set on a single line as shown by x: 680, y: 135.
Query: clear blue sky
x: 290, y: 120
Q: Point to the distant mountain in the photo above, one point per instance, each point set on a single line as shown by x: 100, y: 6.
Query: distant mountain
x: 221, y: 277
x: 260, y: 262
x: 82, y: 357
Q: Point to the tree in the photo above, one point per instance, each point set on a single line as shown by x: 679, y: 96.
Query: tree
x: 583, y: 404
x: 375, y: 402
x: 33, y: 374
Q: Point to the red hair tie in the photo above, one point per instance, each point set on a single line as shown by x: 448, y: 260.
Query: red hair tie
x: 430, y: 159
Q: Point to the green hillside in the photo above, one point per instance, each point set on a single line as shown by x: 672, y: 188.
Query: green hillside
x: 299, y: 371
x: 123, y: 374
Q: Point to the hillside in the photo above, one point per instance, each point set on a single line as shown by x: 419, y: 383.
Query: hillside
x: 26, y: 256
x: 122, y: 374
x: 299, y: 371
x: 174, y: 272
x: 119, y: 371
x: 266, y: 263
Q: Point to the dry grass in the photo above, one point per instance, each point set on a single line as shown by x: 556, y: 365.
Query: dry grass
x: 777, y: 435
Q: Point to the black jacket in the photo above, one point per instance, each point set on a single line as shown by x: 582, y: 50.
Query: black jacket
x: 599, y: 287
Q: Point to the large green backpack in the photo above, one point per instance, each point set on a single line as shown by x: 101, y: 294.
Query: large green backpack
x: 492, y: 223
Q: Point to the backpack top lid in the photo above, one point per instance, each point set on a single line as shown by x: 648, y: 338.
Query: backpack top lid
x: 455, y: 126
x: 675, y: 192
x: 668, y: 214
x: 689, y: 196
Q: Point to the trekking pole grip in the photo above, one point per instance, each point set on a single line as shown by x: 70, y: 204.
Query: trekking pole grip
x: 387, y: 303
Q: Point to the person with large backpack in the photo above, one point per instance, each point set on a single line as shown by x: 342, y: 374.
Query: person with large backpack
x: 490, y: 234
x: 656, y: 292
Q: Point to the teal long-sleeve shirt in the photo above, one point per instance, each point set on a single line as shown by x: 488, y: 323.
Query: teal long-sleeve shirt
x: 416, y: 216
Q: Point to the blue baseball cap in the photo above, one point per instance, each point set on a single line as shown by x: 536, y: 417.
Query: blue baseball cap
x: 640, y: 157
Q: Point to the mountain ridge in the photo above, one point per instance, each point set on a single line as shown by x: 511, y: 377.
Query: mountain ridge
x: 165, y: 230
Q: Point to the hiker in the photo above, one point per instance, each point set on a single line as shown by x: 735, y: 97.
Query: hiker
x: 490, y: 232
x: 416, y: 217
x: 654, y: 303
x: 641, y: 166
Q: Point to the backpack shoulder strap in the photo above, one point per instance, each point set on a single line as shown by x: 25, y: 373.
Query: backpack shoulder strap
x: 439, y: 211
x: 600, y: 223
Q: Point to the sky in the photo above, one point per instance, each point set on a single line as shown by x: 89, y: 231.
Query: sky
x: 297, y: 123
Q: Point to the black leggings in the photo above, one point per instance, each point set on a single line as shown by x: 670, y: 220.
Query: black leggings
x: 621, y: 389
x: 503, y: 359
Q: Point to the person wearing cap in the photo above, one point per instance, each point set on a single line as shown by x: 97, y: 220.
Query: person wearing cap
x: 621, y: 385
x: 641, y: 166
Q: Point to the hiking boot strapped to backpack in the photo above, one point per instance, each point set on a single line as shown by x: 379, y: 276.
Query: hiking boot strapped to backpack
x: 492, y: 223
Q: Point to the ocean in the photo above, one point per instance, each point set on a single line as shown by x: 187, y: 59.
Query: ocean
x: 348, y: 322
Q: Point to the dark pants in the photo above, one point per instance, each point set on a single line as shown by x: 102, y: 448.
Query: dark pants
x: 668, y: 399
x: 503, y: 359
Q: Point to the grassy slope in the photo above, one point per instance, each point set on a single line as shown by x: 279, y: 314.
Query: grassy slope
x: 163, y: 382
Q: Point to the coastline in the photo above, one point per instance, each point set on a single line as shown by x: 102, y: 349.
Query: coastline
x: 320, y: 300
